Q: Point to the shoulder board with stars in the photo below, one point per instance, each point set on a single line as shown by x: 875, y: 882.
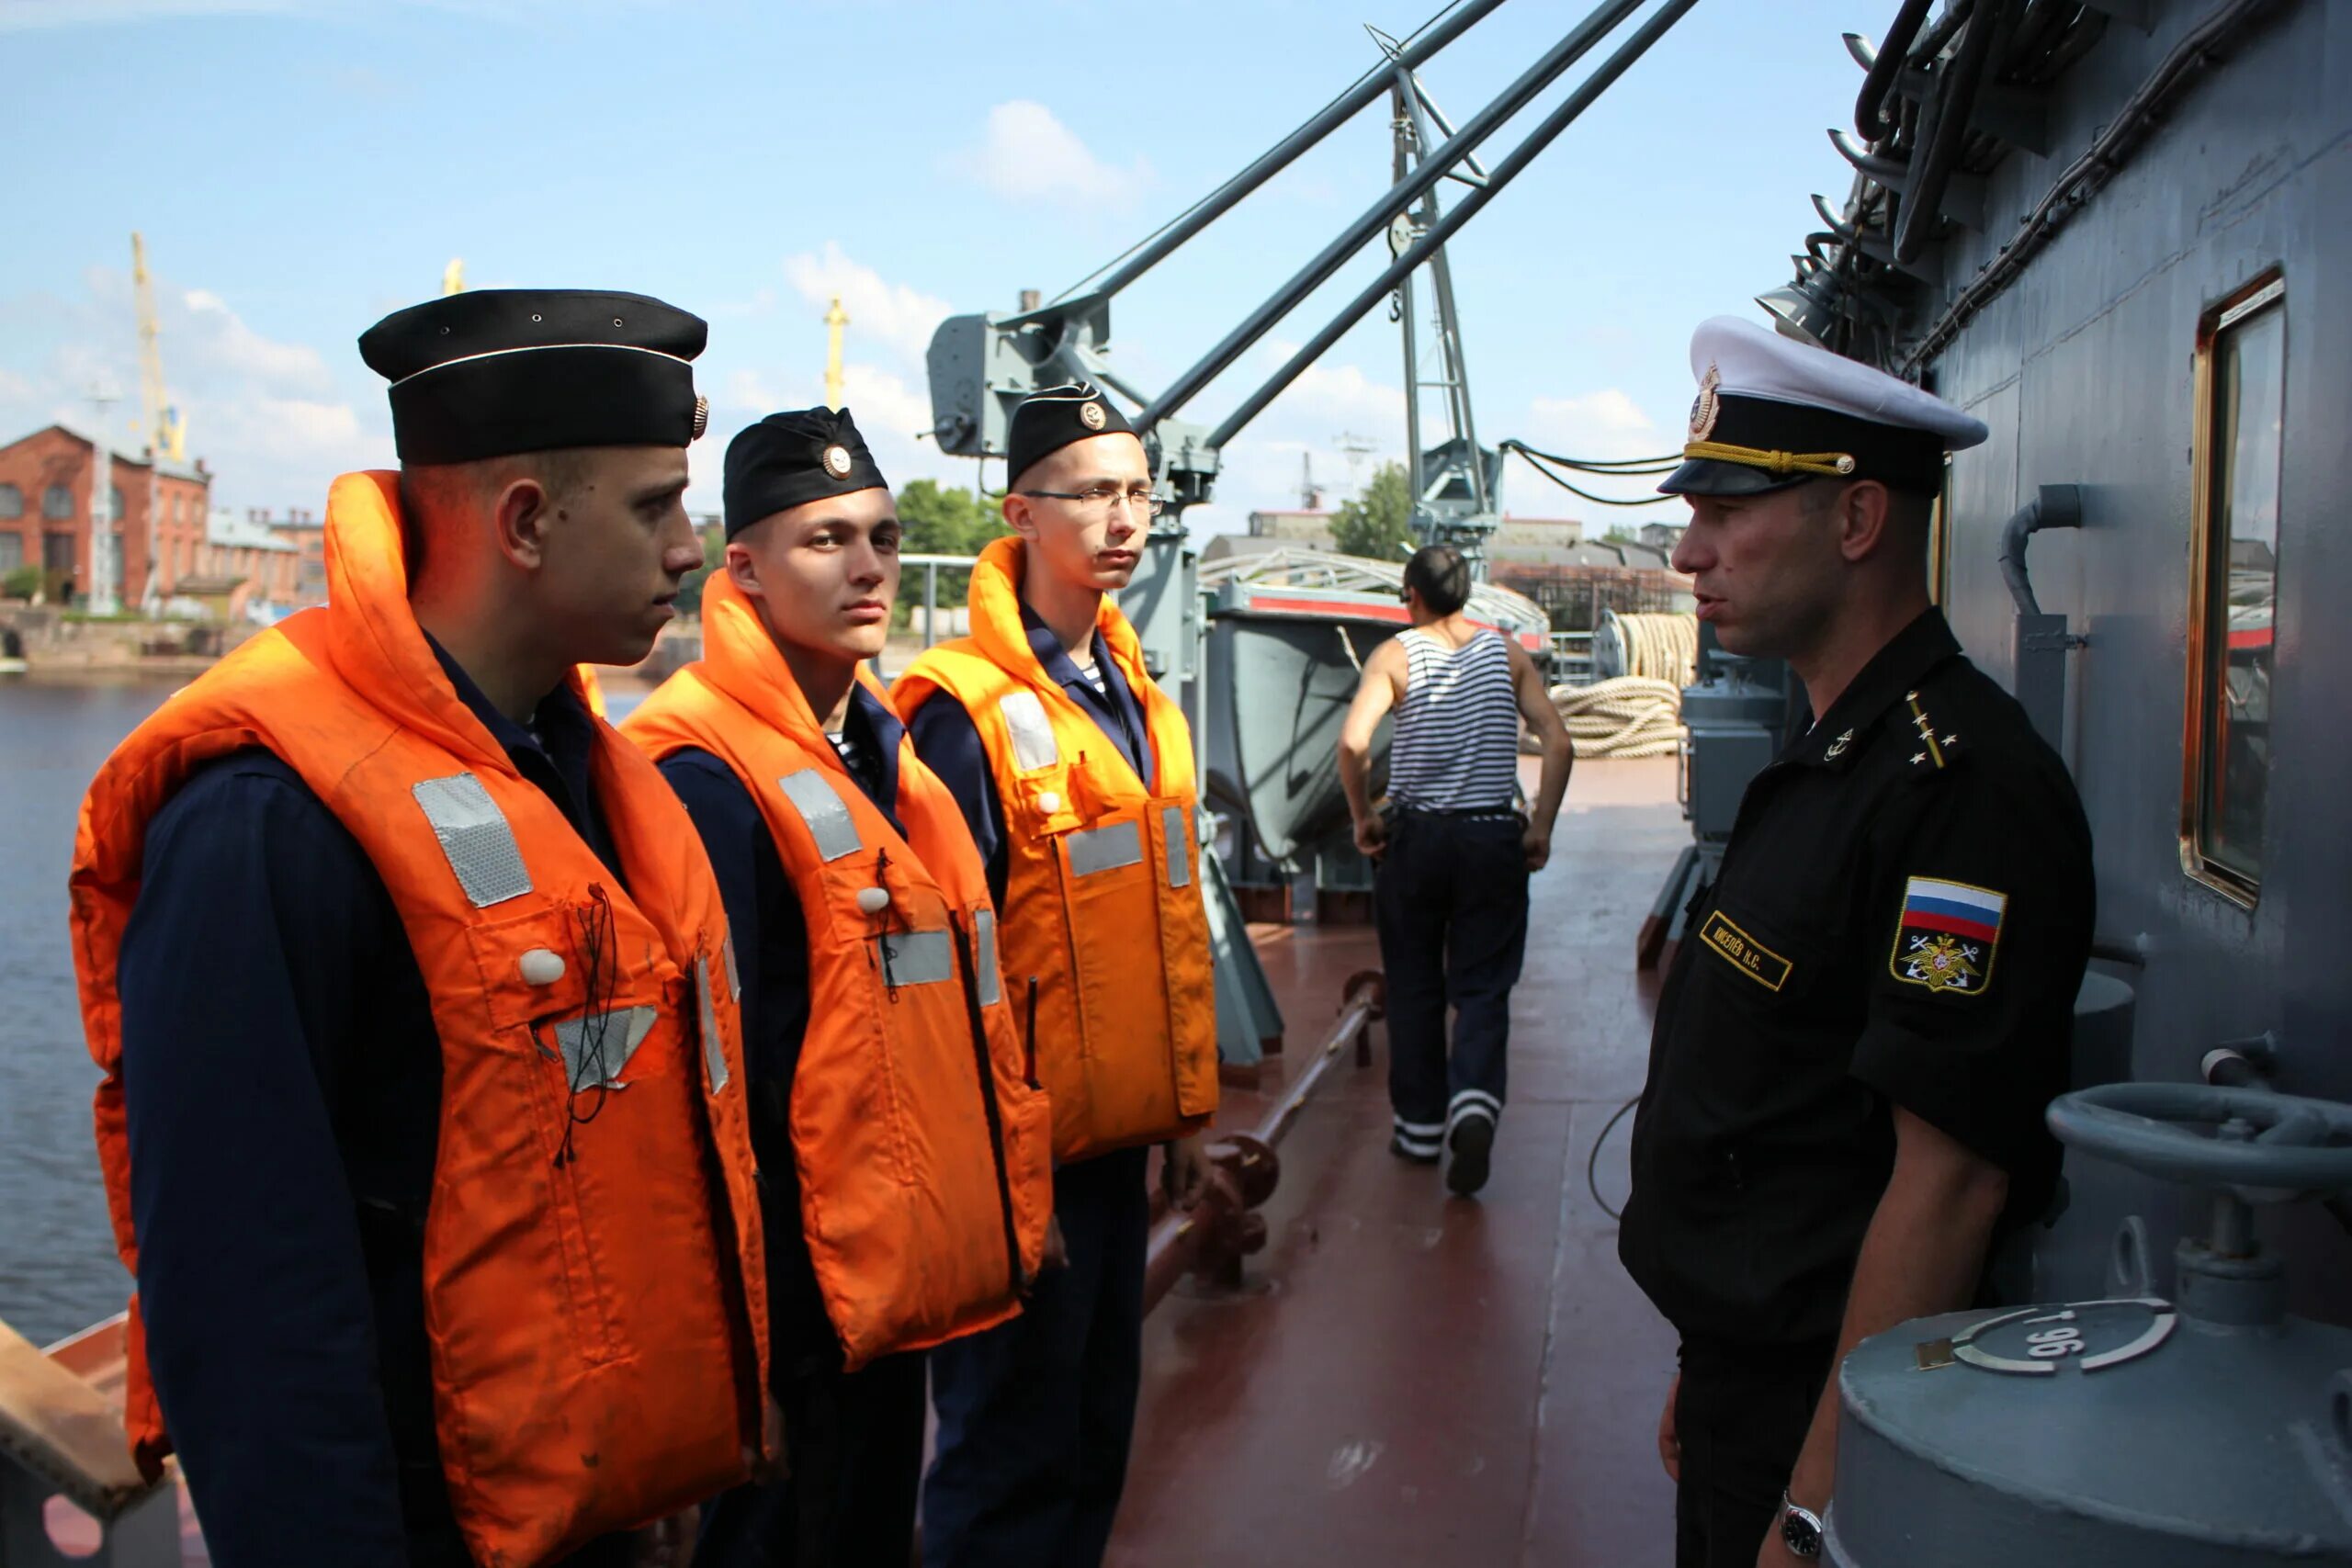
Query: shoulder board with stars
x: 1934, y: 750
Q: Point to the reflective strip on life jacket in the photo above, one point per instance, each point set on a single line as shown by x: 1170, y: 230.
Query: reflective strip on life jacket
x: 915, y: 958
x: 476, y: 837
x: 1033, y: 731
x: 1107, y: 848
x: 821, y: 807
x: 593, y: 1035
x: 714, y: 1059
x: 1179, y: 860
x: 991, y: 991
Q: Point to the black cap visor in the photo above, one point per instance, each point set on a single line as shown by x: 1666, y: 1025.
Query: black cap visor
x: 1708, y: 476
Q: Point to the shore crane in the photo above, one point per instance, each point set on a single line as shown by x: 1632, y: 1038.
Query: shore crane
x: 164, y: 426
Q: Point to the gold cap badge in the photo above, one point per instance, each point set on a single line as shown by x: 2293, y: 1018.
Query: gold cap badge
x: 702, y: 418
x: 837, y: 461
x: 1706, y: 406
x: 1090, y: 415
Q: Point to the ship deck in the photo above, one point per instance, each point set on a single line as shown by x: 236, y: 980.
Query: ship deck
x: 1408, y: 1378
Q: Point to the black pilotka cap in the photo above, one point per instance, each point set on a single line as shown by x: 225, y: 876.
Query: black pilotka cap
x: 1046, y: 421
x: 790, y: 458
x: 501, y: 371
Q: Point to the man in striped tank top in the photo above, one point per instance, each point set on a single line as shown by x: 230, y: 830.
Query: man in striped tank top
x: 1454, y: 850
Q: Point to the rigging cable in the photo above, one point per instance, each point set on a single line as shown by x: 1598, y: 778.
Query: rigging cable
x: 1540, y: 464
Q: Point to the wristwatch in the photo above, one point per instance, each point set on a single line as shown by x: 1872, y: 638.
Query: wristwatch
x: 1800, y: 1529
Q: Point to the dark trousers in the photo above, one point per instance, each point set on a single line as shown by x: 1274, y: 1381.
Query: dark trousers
x: 1451, y: 899
x: 854, y: 1442
x: 1036, y: 1415
x: 1741, y: 1416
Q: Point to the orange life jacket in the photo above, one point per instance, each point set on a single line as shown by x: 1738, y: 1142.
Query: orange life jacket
x: 596, y: 1309
x: 922, y: 1148
x: 1103, y: 904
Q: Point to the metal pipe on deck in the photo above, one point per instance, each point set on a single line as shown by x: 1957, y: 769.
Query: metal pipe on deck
x: 1221, y: 1228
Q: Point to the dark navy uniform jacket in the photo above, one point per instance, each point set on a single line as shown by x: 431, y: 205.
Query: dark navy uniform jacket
x: 771, y: 934
x: 949, y: 745
x: 1903, y: 918
x: 282, y: 1079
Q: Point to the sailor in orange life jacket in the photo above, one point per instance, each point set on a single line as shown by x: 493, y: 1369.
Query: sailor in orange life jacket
x: 423, y: 1121
x: 906, y: 1155
x: 1075, y: 775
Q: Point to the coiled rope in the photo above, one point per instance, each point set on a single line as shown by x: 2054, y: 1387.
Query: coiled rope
x: 1632, y: 716
x: 1660, y: 647
x: 1638, y: 712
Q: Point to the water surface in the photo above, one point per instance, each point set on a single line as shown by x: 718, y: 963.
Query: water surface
x: 58, y: 1267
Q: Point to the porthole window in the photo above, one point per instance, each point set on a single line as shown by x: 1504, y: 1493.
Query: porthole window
x: 2233, y: 588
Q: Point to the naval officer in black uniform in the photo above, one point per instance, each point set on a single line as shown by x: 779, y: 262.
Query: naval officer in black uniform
x: 1873, y: 1004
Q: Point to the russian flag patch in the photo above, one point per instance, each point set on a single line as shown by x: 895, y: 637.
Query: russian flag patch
x: 1946, y: 940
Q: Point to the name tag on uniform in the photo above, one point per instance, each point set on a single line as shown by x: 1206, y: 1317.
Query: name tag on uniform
x: 1743, y: 952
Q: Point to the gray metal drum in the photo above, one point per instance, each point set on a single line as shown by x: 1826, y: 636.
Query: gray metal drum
x: 2212, y: 1432
x: 1735, y: 727
x: 2216, y: 1447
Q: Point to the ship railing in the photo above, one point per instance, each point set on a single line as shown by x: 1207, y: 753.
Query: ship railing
x: 932, y: 566
x: 1571, y: 659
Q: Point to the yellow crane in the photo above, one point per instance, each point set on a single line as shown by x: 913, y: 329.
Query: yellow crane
x: 165, y: 427
x: 835, y: 320
x: 453, y: 278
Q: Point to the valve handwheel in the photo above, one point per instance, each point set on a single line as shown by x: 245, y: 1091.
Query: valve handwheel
x: 2284, y: 1144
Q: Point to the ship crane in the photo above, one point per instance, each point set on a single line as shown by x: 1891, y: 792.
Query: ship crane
x: 981, y: 365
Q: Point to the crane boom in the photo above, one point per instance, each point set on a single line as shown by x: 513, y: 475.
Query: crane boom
x: 166, y: 431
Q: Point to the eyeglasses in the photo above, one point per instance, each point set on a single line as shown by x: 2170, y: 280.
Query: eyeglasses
x: 1104, y: 498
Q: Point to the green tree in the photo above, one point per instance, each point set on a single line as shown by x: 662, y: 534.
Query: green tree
x: 1379, y: 522
x: 939, y: 521
x: 1621, y: 534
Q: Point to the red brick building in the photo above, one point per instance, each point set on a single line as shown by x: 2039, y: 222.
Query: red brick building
x: 161, y: 515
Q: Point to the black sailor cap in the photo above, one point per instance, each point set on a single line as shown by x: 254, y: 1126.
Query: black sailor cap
x: 1047, y: 420
x: 501, y: 371
x: 793, y: 458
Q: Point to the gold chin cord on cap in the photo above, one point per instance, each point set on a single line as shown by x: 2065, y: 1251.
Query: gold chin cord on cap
x: 1830, y: 465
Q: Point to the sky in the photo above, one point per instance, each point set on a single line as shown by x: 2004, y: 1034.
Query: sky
x: 301, y: 168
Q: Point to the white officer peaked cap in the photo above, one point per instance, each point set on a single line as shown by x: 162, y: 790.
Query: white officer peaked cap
x: 1772, y: 412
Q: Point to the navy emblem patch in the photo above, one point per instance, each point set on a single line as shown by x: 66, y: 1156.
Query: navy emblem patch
x: 1707, y: 405
x: 1947, y: 938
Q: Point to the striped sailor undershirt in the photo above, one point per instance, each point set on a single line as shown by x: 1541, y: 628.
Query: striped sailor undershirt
x: 1456, y: 742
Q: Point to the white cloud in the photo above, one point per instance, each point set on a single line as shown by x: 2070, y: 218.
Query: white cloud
x: 262, y: 412
x: 1027, y: 154
x: 892, y: 314
x: 1602, y: 425
x: 220, y: 336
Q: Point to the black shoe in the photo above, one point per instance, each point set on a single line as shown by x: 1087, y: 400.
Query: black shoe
x: 1474, y: 1145
x: 1411, y: 1156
